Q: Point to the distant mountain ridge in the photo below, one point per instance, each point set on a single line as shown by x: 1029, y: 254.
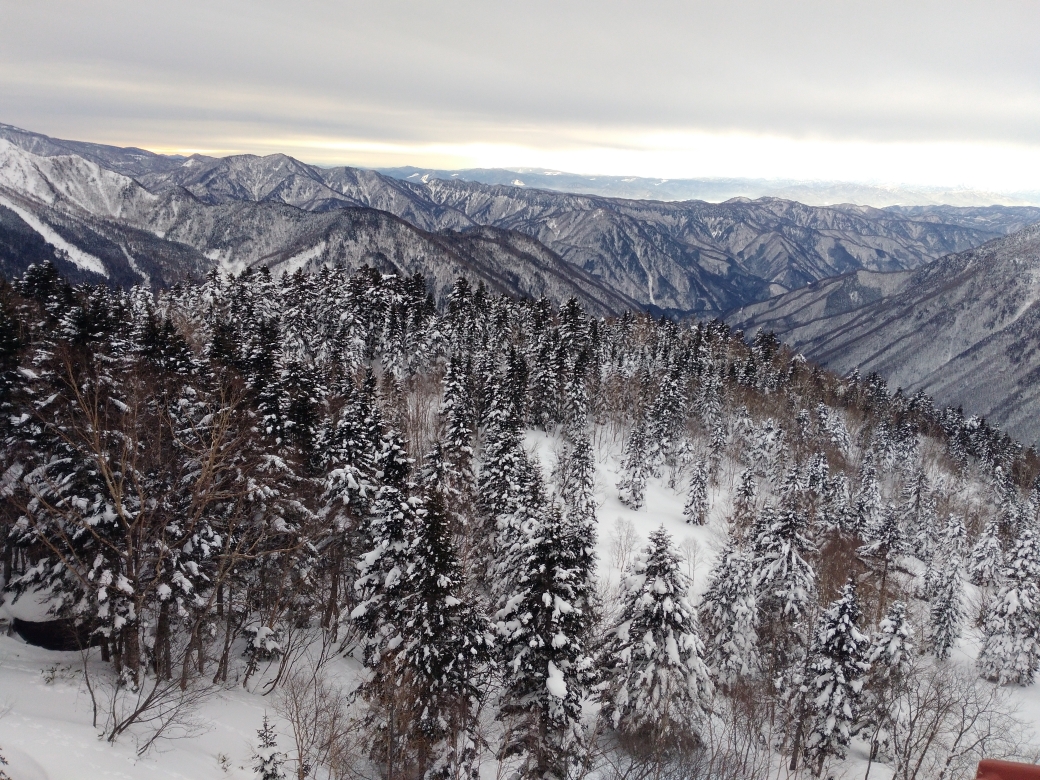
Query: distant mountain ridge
x: 147, y: 217
x: 717, y: 190
x: 964, y: 329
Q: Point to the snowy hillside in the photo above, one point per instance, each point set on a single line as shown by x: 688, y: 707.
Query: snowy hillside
x: 962, y: 329
x: 501, y: 537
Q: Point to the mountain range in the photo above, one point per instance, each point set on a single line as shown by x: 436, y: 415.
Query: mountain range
x: 813, y: 193
x: 964, y: 329
x: 128, y: 215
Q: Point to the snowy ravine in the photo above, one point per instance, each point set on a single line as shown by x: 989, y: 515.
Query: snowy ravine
x: 314, y: 526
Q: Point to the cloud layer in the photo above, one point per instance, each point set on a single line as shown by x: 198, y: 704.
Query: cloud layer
x: 944, y: 93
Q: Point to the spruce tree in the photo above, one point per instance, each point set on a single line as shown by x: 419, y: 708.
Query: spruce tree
x: 1010, y: 650
x: 543, y: 624
x: 885, y: 543
x: 729, y: 618
x: 945, y: 612
x: 696, y: 509
x: 658, y: 686
x: 987, y: 557
x: 446, y: 645
x: 637, y: 467
x: 835, y: 679
x: 744, y: 499
x: 891, y: 659
x: 268, y: 760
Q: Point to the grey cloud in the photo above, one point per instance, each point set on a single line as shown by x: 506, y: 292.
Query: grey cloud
x: 465, y: 71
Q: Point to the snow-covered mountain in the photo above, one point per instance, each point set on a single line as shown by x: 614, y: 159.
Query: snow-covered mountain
x: 97, y: 225
x: 963, y: 329
x: 186, y: 215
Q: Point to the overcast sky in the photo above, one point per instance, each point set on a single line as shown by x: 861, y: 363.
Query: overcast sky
x: 913, y: 92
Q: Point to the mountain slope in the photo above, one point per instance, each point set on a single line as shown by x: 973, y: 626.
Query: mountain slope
x: 679, y: 257
x: 98, y: 225
x: 676, y: 257
x: 962, y: 329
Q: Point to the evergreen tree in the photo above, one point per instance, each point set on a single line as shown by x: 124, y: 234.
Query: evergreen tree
x: 885, y: 543
x: 891, y: 659
x: 579, y: 490
x: 744, y: 499
x: 835, y: 679
x: 868, y: 506
x: 658, y: 685
x: 381, y: 583
x: 544, y: 621
x: 268, y: 759
x: 729, y: 617
x: 459, y: 423
x: 987, y: 557
x: 696, y: 509
x: 784, y: 577
x: 638, y: 467
x: 446, y: 646
x: 1010, y: 650
x: 945, y: 613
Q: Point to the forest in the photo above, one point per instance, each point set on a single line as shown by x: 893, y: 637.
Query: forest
x: 386, y: 514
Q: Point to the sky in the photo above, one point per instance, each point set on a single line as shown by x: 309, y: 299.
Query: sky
x: 923, y: 93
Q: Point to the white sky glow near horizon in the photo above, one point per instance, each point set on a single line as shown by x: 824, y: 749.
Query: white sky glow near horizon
x: 994, y: 167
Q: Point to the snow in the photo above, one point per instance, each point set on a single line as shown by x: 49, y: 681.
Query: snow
x: 47, y: 732
x: 555, y: 682
x: 74, y: 254
x: 136, y: 268
x: 300, y: 260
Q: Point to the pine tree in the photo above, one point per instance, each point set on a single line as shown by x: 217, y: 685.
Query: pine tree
x: 1010, y: 650
x: 696, y: 509
x: 729, y: 617
x: 268, y: 760
x: 658, y: 685
x: 835, y: 679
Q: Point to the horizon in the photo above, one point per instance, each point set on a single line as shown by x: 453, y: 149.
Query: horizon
x: 786, y: 188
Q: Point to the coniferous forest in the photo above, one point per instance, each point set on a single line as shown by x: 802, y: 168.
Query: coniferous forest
x: 395, y: 518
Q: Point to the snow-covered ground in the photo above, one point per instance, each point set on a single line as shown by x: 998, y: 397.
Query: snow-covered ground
x: 46, y: 731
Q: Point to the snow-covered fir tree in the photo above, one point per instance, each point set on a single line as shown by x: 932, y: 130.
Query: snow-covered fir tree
x: 1010, y: 650
x: 696, y: 509
x: 987, y: 557
x: 268, y: 761
x: 946, y: 610
x: 544, y: 619
x: 835, y: 679
x: 446, y: 644
x: 658, y: 688
x: 729, y: 617
x: 891, y: 658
